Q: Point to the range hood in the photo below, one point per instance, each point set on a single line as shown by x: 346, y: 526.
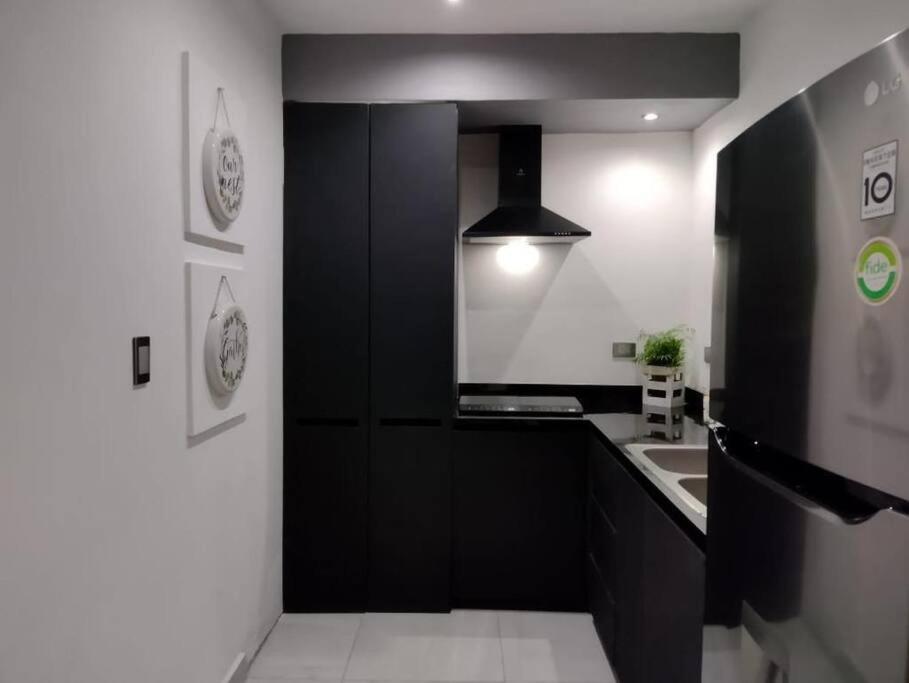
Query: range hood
x: 520, y: 216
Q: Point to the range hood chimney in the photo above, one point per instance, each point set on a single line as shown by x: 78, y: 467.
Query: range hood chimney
x: 520, y: 216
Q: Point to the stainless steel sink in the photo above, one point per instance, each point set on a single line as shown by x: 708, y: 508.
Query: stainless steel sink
x: 696, y: 486
x: 680, y: 472
x: 679, y: 460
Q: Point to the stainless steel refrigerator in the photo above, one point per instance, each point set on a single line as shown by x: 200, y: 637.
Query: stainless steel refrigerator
x: 808, y: 530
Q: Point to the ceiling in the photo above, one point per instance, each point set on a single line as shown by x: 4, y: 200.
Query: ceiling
x: 589, y: 116
x: 509, y: 16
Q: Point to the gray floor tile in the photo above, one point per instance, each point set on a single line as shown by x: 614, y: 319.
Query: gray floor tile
x: 462, y: 646
x: 307, y: 647
x: 552, y: 625
x: 552, y: 648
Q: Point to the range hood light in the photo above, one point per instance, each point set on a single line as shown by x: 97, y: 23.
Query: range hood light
x: 517, y: 257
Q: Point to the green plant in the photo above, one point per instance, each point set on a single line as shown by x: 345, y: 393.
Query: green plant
x: 664, y: 349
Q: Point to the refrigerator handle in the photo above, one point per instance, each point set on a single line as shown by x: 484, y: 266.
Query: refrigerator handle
x: 826, y: 512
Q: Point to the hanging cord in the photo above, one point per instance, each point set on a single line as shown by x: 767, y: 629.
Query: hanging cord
x: 221, y: 103
x: 224, y: 281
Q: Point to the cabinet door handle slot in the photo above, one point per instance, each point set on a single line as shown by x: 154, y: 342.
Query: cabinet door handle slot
x: 409, y: 422
x: 328, y: 422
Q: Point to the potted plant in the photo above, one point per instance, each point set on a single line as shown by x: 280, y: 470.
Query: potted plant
x: 661, y: 360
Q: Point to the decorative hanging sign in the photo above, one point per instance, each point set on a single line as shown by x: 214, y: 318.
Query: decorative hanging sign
x: 226, y: 344
x: 222, y: 169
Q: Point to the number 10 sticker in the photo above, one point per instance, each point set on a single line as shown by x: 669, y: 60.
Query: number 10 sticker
x: 879, y: 181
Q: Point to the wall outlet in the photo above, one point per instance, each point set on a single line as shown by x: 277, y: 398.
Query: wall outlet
x: 707, y: 354
x: 624, y: 350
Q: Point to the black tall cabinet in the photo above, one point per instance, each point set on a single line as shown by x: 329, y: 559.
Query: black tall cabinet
x: 413, y: 228
x: 370, y: 236
x: 326, y: 356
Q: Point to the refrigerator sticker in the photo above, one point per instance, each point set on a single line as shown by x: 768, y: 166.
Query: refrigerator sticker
x: 879, y: 181
x: 878, y: 270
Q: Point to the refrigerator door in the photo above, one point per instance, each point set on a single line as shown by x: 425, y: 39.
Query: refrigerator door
x: 811, y: 311
x: 798, y: 590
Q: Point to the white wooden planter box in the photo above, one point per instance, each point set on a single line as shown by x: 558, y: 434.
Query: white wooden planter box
x: 663, y: 387
x: 666, y: 424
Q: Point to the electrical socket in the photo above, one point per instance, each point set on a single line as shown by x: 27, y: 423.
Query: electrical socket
x: 624, y: 350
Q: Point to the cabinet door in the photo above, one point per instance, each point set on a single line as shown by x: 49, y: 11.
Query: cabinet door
x: 518, y: 506
x: 326, y: 361
x: 326, y: 260
x: 630, y: 501
x: 410, y: 519
x: 673, y: 605
x: 325, y: 522
x: 413, y: 208
x: 654, y: 572
x: 602, y: 607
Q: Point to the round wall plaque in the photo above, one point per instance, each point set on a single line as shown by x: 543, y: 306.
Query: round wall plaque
x: 222, y: 174
x: 226, y: 348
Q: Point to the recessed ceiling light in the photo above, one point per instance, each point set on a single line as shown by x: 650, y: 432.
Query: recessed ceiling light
x: 650, y: 116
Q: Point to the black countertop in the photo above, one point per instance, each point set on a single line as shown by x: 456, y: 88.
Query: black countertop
x: 619, y: 427
x: 625, y: 428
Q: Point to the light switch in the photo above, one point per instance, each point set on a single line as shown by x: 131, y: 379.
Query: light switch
x: 141, y: 360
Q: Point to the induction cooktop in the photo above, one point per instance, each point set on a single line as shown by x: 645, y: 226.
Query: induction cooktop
x: 534, y: 406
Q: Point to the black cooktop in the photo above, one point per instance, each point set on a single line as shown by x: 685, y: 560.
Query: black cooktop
x: 535, y: 406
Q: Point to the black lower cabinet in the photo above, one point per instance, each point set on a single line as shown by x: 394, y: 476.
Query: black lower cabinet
x: 325, y: 517
x: 645, y: 578
x: 602, y: 607
x: 518, y: 508
x: 673, y: 600
x: 410, y: 518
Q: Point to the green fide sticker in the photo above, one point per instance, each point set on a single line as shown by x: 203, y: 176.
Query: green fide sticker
x: 878, y: 270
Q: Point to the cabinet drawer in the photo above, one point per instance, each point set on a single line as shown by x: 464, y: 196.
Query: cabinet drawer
x: 602, y: 607
x: 606, y: 476
x: 602, y: 543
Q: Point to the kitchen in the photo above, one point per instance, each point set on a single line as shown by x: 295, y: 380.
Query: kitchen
x: 568, y: 340
x: 508, y: 503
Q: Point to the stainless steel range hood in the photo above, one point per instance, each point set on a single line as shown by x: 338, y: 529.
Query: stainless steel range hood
x: 520, y: 216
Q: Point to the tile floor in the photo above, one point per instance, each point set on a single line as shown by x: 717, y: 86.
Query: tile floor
x: 461, y: 647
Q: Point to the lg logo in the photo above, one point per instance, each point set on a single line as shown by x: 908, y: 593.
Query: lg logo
x: 874, y: 91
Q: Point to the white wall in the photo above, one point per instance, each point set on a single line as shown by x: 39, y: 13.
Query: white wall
x: 128, y: 555
x: 785, y: 46
x: 557, y: 323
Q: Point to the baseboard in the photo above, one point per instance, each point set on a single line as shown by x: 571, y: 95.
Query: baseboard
x: 238, y: 670
x: 241, y: 673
